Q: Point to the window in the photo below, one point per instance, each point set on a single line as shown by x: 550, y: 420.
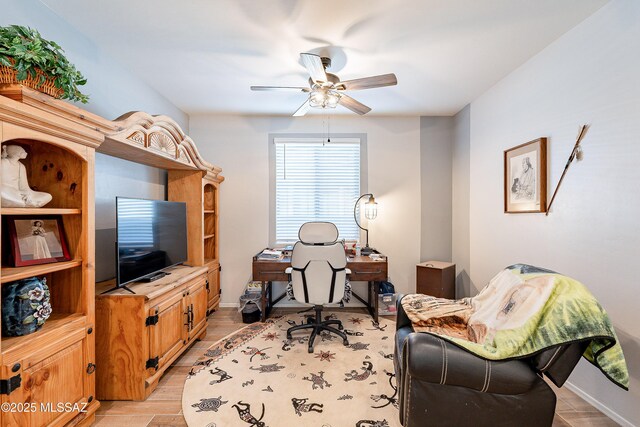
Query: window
x: 315, y: 180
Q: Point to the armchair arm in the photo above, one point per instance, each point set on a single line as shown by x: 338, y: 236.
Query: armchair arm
x: 434, y: 360
x: 288, y: 270
x: 348, y: 271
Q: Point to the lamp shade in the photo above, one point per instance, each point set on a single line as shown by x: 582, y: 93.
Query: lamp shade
x: 371, y: 208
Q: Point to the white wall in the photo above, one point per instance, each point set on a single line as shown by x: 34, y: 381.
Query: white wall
x: 113, y: 91
x: 460, y: 202
x: 589, y: 75
x: 436, y: 134
x: 239, y: 144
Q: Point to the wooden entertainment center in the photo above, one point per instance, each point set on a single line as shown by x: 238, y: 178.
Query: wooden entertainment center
x: 58, y: 363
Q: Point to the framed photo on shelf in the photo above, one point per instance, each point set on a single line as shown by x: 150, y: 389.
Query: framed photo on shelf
x: 37, y: 239
x: 525, y: 177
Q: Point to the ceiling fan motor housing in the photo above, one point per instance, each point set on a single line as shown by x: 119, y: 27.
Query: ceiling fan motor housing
x: 332, y: 78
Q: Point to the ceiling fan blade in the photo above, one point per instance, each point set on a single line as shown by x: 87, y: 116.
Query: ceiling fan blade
x: 369, y: 82
x: 313, y: 63
x: 303, y: 109
x: 353, y: 105
x: 259, y: 88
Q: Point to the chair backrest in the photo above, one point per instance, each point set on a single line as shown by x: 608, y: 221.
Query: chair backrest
x: 319, y: 264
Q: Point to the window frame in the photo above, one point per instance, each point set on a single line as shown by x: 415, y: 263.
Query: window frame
x: 309, y: 137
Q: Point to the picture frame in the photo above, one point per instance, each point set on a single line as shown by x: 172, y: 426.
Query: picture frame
x: 525, y: 177
x: 37, y: 239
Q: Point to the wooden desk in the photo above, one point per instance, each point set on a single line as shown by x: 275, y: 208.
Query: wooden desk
x: 363, y: 269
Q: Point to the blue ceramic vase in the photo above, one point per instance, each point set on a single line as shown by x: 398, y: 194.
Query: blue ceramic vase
x: 25, y: 306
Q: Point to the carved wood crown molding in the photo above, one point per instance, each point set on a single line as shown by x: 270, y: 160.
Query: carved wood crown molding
x: 162, y: 136
x: 154, y: 140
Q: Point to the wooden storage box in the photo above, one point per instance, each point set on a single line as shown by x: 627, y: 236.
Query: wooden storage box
x: 436, y: 278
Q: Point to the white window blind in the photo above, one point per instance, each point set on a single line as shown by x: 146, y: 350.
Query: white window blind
x: 315, y: 181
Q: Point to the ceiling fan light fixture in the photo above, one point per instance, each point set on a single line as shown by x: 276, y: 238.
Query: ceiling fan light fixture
x: 324, y: 98
x: 326, y: 90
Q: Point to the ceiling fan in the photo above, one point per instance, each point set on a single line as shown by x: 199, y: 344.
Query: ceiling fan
x: 327, y: 91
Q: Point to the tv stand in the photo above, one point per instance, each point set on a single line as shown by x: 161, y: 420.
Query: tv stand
x: 147, y: 331
x: 153, y: 276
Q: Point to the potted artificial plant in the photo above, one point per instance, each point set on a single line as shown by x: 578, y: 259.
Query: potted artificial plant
x: 28, y: 59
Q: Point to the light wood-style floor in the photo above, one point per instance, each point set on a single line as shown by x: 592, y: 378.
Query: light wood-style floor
x: 164, y: 407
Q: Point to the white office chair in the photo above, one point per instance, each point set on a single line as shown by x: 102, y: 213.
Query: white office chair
x: 318, y: 273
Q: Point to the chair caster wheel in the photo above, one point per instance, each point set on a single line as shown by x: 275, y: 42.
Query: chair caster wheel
x: 310, y: 320
x: 310, y: 349
x: 289, y: 336
x: 345, y: 342
x: 340, y: 327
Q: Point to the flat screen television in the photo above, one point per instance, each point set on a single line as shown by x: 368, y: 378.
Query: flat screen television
x: 151, y: 236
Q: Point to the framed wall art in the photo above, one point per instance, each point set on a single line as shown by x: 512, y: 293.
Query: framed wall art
x: 37, y: 239
x: 525, y: 177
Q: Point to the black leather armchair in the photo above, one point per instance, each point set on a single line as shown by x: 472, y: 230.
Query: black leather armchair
x: 441, y: 384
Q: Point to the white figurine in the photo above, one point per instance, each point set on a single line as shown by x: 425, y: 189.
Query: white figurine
x: 15, y: 191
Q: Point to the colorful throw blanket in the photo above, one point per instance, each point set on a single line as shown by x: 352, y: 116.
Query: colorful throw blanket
x: 523, y: 311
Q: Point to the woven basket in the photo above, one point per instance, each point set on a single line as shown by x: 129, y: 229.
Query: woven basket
x: 10, y: 76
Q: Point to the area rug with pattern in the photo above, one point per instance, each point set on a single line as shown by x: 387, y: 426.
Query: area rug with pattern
x: 257, y: 377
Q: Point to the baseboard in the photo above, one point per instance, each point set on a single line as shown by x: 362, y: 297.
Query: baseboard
x: 229, y: 305
x: 598, y: 405
x: 290, y: 304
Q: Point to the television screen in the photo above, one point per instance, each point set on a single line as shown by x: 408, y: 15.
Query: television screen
x: 151, y: 235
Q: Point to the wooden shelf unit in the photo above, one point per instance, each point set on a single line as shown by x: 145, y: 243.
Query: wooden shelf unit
x: 53, y: 363
x: 200, y: 193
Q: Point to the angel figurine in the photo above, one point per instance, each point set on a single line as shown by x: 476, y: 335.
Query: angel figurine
x: 15, y: 190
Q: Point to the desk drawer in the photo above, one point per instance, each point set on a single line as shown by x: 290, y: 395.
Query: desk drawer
x: 270, y: 271
x: 360, y: 271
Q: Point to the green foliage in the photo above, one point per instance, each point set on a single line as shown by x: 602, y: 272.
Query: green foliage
x: 24, y: 49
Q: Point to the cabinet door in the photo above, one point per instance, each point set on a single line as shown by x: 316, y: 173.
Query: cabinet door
x: 47, y: 383
x: 167, y: 336
x: 213, y: 276
x: 197, y: 304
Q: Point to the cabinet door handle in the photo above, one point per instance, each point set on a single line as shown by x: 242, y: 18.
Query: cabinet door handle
x: 191, y: 311
x: 188, y: 318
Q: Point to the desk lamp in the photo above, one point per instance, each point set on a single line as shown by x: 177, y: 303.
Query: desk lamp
x: 370, y: 212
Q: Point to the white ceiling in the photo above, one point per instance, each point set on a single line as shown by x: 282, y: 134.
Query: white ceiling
x: 204, y: 54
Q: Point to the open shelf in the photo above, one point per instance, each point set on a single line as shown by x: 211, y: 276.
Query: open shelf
x: 10, y: 274
x: 58, y: 323
x: 41, y: 211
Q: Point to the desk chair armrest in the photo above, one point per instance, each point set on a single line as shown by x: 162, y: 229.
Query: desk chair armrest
x: 348, y: 271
